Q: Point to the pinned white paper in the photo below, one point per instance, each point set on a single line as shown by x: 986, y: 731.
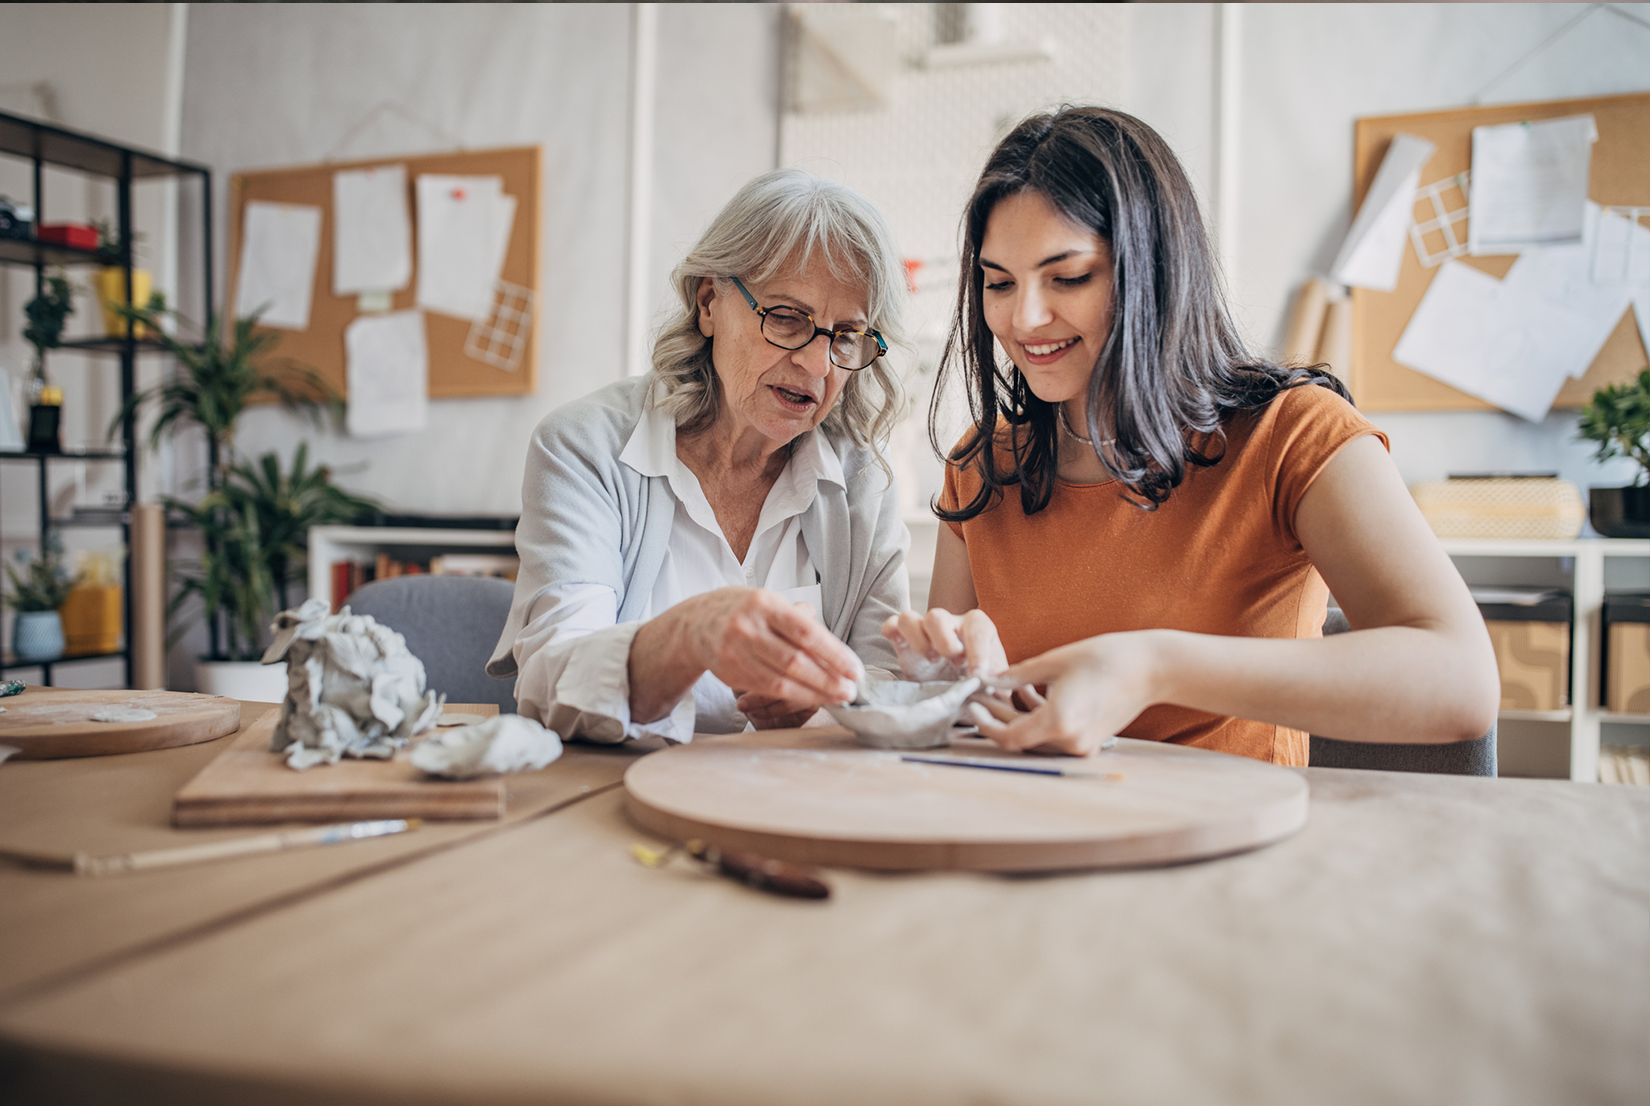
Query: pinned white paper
x: 388, y: 374
x: 1373, y: 252
x: 1465, y: 335
x: 279, y: 244
x: 1559, y: 280
x: 1621, y: 258
x: 372, y: 235
x: 1529, y: 184
x: 463, y: 232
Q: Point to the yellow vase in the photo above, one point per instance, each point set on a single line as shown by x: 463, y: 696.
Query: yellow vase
x: 91, y: 619
x: 111, y: 293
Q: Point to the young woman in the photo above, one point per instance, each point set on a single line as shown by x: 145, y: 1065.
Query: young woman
x: 1144, y: 518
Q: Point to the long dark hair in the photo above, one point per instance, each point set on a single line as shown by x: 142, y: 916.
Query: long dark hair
x: 1173, y: 369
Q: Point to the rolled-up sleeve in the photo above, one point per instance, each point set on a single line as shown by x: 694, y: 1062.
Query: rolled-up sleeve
x: 573, y: 662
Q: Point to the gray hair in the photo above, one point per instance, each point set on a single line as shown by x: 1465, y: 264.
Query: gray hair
x: 776, y: 223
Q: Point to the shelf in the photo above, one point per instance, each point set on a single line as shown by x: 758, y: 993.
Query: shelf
x: 112, y: 345
x: 103, y: 520
x: 1628, y: 719
x: 73, y: 150
x: 27, y: 251
x: 66, y: 455
x: 10, y: 661
x: 1536, y: 715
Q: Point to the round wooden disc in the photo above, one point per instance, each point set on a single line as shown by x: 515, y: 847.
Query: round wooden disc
x: 816, y: 797
x: 46, y: 723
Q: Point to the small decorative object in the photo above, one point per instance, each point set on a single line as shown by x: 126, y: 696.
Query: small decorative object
x: 12, y: 687
x: 46, y: 418
x: 16, y: 219
x: 46, y: 314
x: 1618, y: 419
x: 91, y: 613
x: 111, y: 283
x: 353, y: 688
x: 76, y: 236
x: 507, y: 743
x: 37, y: 632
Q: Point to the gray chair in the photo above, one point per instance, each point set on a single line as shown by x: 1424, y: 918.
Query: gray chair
x: 451, y: 623
x: 1459, y: 758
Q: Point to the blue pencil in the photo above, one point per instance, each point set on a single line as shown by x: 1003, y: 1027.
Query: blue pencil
x: 1000, y: 766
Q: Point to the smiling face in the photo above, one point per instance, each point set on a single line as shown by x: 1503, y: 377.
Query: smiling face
x: 1048, y: 296
x: 767, y: 391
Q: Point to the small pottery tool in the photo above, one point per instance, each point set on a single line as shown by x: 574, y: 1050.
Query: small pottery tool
x: 83, y: 865
x: 12, y: 687
x: 764, y: 873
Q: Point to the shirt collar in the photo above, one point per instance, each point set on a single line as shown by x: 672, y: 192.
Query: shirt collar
x: 651, y: 450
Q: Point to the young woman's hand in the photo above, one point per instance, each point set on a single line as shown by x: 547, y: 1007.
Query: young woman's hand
x: 925, y: 643
x: 1094, y: 688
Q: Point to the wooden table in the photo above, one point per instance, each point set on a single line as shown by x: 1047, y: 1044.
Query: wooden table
x: 1424, y: 939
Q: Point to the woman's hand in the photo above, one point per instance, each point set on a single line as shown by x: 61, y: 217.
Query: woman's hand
x: 926, y: 642
x: 1095, y: 687
x: 752, y: 640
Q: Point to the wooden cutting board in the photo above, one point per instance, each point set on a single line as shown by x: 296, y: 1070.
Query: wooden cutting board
x: 248, y: 784
x: 46, y: 723
x: 815, y: 796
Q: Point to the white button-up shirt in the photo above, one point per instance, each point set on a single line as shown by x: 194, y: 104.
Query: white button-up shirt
x: 574, y: 662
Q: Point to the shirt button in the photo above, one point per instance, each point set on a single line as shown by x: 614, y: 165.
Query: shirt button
x: 750, y: 573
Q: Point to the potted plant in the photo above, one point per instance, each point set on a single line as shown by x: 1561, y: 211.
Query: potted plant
x: 37, y: 632
x: 252, y: 519
x: 256, y: 525
x: 1618, y: 420
x: 111, y: 282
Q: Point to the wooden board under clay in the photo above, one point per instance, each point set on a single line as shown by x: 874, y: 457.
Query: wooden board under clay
x: 45, y: 723
x: 247, y: 784
x: 815, y: 796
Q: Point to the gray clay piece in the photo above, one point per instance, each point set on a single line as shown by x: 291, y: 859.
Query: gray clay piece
x: 353, y: 689
x: 124, y: 714
x: 899, y: 714
x: 507, y: 743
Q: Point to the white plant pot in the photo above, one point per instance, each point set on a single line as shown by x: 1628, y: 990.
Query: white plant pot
x: 247, y: 681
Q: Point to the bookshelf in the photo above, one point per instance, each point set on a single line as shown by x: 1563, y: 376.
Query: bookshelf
x: 329, y: 545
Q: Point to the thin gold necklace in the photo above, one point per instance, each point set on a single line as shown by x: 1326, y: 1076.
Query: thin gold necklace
x: 1060, y: 414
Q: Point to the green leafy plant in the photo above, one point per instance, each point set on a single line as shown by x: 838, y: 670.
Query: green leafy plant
x: 46, y: 314
x: 44, y: 582
x: 256, y: 524
x: 223, y: 374
x: 111, y: 248
x: 1618, y: 420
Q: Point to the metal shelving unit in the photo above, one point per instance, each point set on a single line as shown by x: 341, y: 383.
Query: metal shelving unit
x: 43, y: 145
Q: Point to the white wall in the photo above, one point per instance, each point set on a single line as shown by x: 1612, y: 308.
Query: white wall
x: 1307, y: 71
x: 284, y: 84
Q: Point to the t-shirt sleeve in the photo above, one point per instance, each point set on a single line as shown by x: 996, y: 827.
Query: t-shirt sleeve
x: 961, y: 486
x: 1310, y: 425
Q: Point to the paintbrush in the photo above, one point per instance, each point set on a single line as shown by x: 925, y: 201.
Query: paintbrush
x: 778, y: 877
x: 83, y: 864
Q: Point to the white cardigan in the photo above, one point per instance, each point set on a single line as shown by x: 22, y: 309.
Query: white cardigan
x: 588, y: 518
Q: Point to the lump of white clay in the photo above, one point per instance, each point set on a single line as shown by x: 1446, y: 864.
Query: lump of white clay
x: 353, y: 689
x: 507, y: 743
x: 900, y: 714
x: 123, y: 714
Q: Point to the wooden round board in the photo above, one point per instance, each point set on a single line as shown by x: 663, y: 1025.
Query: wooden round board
x: 46, y: 723
x: 816, y: 797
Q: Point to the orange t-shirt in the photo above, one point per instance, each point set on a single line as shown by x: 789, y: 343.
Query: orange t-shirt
x: 1220, y: 557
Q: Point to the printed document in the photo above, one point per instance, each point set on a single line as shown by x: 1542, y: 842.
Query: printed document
x: 1373, y: 252
x: 372, y: 235
x: 464, y: 228
x: 1621, y: 259
x: 388, y: 372
x: 279, y: 244
x: 1529, y: 184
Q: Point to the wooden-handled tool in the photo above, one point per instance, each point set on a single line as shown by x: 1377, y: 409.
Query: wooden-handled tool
x: 778, y: 877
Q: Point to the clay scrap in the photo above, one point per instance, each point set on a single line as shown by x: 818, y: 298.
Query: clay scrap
x: 353, y: 688
x: 902, y: 714
x: 507, y: 743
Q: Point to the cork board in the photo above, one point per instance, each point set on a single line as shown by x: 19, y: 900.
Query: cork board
x: 452, y: 371
x: 1620, y: 176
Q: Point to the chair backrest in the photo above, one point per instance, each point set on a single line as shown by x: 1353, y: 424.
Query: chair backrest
x: 1458, y: 758
x: 451, y: 623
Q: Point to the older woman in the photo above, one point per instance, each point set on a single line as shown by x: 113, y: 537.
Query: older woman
x: 719, y: 541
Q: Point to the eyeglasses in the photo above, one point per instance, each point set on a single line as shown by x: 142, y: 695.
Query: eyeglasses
x: 788, y: 328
